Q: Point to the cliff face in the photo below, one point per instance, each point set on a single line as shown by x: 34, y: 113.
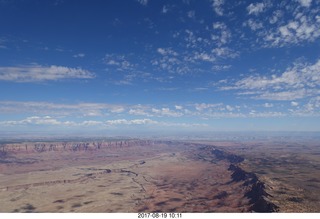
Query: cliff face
x: 255, y: 189
x: 40, y: 147
x: 222, y: 155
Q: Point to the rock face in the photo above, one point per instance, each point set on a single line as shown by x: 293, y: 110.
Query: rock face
x: 41, y: 147
x: 241, y: 175
x: 255, y: 188
x: 222, y: 155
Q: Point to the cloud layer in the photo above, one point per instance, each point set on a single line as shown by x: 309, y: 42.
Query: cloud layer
x: 37, y: 73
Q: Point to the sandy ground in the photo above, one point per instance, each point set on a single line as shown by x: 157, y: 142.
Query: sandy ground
x: 154, y: 178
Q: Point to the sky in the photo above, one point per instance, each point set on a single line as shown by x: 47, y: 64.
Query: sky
x: 159, y: 66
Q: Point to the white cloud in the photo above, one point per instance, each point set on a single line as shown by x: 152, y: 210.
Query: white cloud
x: 117, y: 109
x: 302, y: 28
x: 44, y: 108
x: 229, y: 108
x: 79, y: 55
x: 169, y: 61
x: 130, y: 122
x: 165, y: 9
x: 178, y: 107
x: 204, y: 57
x: 2, y: 43
x: 138, y: 112
x: 222, y: 34
x: 35, y: 120
x: 120, y: 62
x: 143, y: 2
x: 91, y: 123
x: 49, y: 121
x: 36, y: 73
x: 217, y: 7
x: 283, y: 95
x: 254, y: 25
x: 305, y: 3
x: 256, y: 8
x: 152, y: 122
x: 225, y: 52
x: 166, y: 112
x: 220, y: 67
x: 166, y: 51
x: 268, y: 105
x: 254, y: 114
x: 204, y: 106
x: 310, y: 108
x: 276, y: 16
x: 191, y: 14
x: 92, y: 113
x: 296, y: 82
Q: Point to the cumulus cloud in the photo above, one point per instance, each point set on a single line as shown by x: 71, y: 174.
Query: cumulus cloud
x: 296, y: 82
x: 166, y: 112
x: 204, y: 106
x: 283, y: 95
x: 143, y: 2
x: 79, y: 55
x: 165, y: 9
x: 309, y: 108
x: 229, y: 108
x: 58, y: 109
x: 91, y: 123
x: 2, y: 43
x: 35, y: 120
x: 217, y: 7
x: 268, y: 105
x: 168, y: 61
x: 118, y: 122
x: 222, y: 34
x: 117, y: 109
x: 138, y: 112
x: 37, y: 73
x: 254, y: 25
x: 276, y: 16
x: 191, y: 14
x: 204, y: 57
x: 166, y: 51
x: 120, y: 62
x: 302, y: 27
x: 225, y: 52
x: 288, y: 24
x: 131, y: 122
x: 256, y: 8
x: 305, y: 3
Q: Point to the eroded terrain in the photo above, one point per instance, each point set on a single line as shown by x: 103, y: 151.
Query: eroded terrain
x: 290, y: 170
x: 142, y: 176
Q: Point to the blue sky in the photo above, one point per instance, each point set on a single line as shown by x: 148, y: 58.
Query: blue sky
x: 71, y: 66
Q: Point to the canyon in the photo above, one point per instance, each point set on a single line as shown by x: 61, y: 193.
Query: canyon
x: 139, y: 175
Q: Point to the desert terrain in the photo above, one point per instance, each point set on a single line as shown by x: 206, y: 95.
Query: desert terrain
x: 134, y: 175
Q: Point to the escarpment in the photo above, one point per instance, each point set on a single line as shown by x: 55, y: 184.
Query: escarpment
x: 151, y: 175
x: 255, y: 189
x: 41, y: 147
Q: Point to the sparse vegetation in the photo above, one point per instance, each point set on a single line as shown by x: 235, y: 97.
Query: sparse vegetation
x: 200, y: 177
x: 76, y: 205
x: 28, y: 208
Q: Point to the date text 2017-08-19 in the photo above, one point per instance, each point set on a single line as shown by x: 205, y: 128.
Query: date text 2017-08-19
x: 159, y: 215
